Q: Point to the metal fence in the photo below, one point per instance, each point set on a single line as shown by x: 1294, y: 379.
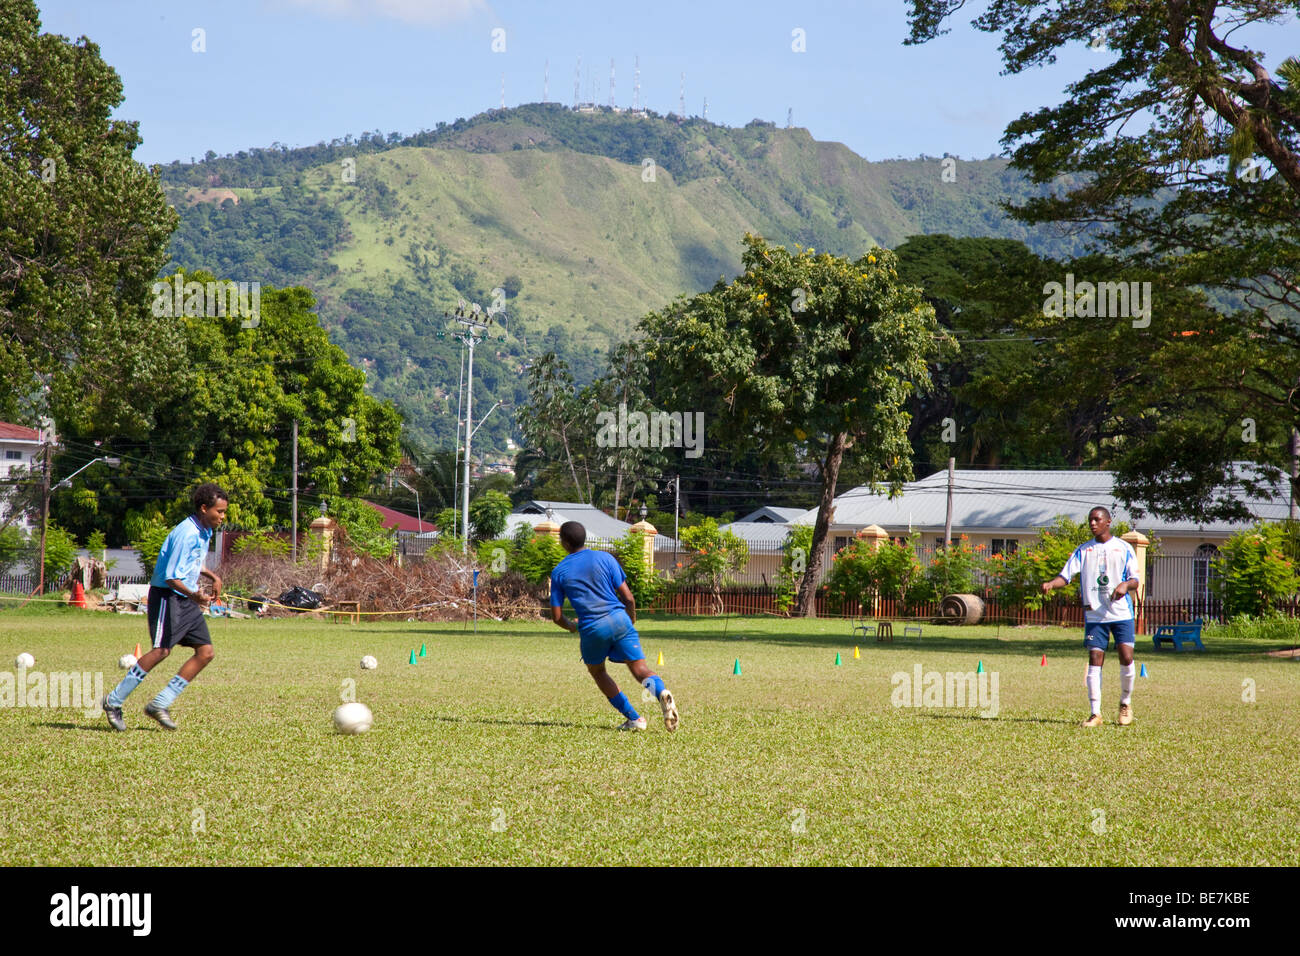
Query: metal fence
x: 26, y: 582
x: 1059, y: 613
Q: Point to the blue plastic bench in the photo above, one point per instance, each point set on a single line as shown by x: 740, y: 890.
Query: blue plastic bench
x: 1178, y: 634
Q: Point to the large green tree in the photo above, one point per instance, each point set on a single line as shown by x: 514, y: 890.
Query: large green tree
x: 232, y: 422
x: 1179, y: 154
x: 83, y: 232
x: 804, y: 351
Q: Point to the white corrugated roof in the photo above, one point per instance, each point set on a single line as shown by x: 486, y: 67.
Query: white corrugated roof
x: 760, y: 532
x: 1010, y: 501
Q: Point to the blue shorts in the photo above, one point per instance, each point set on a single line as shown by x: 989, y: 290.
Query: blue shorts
x: 1097, y: 634
x: 611, y: 636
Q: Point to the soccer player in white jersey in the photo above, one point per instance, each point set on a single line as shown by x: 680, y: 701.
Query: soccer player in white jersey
x: 1108, y: 575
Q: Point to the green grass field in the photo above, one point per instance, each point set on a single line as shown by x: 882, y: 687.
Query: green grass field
x: 497, y: 749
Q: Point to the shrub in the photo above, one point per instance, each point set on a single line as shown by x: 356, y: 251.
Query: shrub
x: 645, y: 584
x: 12, y: 544
x: 60, y: 551
x: 487, y: 514
x: 716, y: 556
x: 891, y: 571
x: 149, y: 542
x: 1252, y: 573
x: 494, y: 556
x: 262, y: 543
x: 794, y: 562
x: 537, y: 558
x: 954, y: 570
x: 363, y: 528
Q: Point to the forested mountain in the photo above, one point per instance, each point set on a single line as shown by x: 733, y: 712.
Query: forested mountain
x: 586, y: 220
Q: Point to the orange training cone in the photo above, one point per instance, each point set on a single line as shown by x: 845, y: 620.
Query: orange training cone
x: 137, y: 651
x: 78, y: 594
x: 1043, y: 662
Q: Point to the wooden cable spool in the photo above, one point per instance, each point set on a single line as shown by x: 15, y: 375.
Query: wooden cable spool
x: 962, y: 609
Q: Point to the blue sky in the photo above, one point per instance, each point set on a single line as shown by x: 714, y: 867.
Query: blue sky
x: 301, y: 71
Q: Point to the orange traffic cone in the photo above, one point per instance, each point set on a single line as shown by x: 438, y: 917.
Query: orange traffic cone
x: 1043, y: 663
x: 137, y: 652
x: 78, y: 594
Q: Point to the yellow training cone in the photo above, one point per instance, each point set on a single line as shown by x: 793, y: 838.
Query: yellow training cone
x: 661, y: 659
x: 856, y: 655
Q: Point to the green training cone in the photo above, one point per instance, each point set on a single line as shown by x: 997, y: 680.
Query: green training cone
x: 423, y: 652
x: 736, y: 670
x: 979, y: 668
x: 837, y: 659
x: 413, y: 656
x: 1144, y: 671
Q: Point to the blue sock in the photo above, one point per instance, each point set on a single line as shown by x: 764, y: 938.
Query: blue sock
x: 170, y: 692
x: 118, y: 695
x: 624, y: 706
x: 655, y: 684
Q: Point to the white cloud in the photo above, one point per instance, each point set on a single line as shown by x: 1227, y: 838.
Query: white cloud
x: 434, y: 12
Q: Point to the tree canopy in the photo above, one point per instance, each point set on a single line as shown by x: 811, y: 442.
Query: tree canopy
x: 1179, y: 155
x: 802, y: 353
x: 83, y: 228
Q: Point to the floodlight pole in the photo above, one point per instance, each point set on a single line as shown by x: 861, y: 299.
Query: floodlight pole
x: 475, y: 329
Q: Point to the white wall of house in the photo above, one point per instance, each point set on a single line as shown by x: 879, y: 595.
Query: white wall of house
x: 18, y: 453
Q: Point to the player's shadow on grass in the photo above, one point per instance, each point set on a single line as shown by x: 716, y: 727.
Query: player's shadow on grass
x: 994, y: 720
x: 63, y: 725
x: 511, y: 723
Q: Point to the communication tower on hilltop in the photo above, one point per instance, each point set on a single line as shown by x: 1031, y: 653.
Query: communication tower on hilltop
x: 706, y: 108
x: 681, y: 98
x: 503, y: 91
x: 789, y: 118
x: 611, y: 82
x: 636, y: 87
x: 577, y: 79
x: 546, y: 81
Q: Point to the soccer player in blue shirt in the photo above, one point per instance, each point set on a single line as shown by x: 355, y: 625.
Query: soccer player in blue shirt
x: 597, y: 588
x: 1107, y: 569
x: 176, y: 608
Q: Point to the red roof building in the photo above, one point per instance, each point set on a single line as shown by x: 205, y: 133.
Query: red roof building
x: 395, y: 520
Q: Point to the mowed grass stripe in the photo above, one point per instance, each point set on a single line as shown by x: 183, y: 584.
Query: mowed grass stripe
x: 497, y: 749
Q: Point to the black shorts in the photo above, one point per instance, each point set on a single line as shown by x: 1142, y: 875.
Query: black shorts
x: 175, y: 620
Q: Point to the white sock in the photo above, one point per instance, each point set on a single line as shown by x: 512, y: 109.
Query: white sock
x: 1127, y: 672
x: 1092, y: 680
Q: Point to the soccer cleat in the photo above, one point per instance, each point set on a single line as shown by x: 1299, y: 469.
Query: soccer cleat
x: 114, y: 715
x: 160, y: 714
x: 638, y: 724
x: 669, y: 707
x: 1093, y: 721
x: 1125, y: 715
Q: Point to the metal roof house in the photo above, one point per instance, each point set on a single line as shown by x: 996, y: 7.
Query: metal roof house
x: 1010, y: 506
x: 1000, y: 510
x: 20, y: 447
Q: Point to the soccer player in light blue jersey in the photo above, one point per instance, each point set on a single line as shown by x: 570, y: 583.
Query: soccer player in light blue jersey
x: 597, y: 588
x: 1107, y: 567
x: 176, y: 608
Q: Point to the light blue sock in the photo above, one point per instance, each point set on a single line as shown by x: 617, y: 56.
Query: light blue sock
x: 118, y: 695
x: 624, y: 706
x: 655, y: 684
x: 170, y: 692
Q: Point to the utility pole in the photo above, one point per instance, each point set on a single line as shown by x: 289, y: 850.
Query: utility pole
x: 293, y: 546
x: 947, y: 522
x: 677, y: 511
x: 45, y: 513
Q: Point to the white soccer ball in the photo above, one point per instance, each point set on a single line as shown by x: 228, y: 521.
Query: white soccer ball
x: 25, y: 660
x: 353, y: 718
x: 126, y: 661
x: 368, y: 663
